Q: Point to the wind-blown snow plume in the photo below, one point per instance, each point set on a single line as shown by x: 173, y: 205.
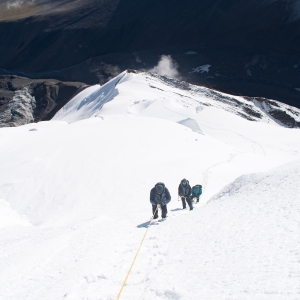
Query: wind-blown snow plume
x: 167, y: 67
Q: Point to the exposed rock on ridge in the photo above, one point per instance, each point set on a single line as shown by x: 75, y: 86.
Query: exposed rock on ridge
x: 19, y: 110
x: 283, y: 114
x: 25, y: 100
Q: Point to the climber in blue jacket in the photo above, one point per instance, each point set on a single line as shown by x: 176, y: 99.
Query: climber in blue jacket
x: 160, y: 195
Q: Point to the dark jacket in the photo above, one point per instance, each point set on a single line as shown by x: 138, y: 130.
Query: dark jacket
x: 184, y: 191
x: 196, y: 191
x: 163, y: 198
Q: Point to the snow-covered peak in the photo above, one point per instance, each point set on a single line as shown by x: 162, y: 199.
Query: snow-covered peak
x: 152, y: 95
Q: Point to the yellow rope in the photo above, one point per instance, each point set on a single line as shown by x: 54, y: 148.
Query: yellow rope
x: 124, y: 283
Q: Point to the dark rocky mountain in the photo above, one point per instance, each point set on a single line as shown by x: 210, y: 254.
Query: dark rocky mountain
x: 249, y: 48
x: 24, y: 100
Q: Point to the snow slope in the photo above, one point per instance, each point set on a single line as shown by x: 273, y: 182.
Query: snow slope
x: 75, y: 199
x: 152, y: 95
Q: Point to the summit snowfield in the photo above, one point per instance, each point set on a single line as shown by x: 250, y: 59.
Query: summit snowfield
x: 74, y: 197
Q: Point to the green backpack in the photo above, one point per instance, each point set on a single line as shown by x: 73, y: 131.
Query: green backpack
x: 197, y: 190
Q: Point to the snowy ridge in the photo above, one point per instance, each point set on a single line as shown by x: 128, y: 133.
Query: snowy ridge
x: 90, y: 100
x: 75, y: 198
x: 287, y: 178
x: 170, y: 92
x: 251, y: 108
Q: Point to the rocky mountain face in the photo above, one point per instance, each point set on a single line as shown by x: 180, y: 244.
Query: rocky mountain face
x: 24, y: 100
x: 249, y: 48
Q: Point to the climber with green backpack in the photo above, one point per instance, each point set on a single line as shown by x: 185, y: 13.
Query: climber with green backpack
x: 196, y: 192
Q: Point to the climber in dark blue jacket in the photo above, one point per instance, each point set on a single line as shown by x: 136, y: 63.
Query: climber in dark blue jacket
x: 184, y: 192
x: 160, y: 195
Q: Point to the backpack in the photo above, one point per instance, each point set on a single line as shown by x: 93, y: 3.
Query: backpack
x: 197, y: 190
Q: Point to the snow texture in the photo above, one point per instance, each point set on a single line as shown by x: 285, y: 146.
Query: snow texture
x: 9, y: 217
x: 75, y: 198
